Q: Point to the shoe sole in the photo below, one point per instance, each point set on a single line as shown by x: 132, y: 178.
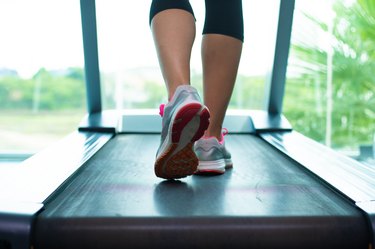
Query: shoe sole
x: 178, y: 159
x: 217, y: 167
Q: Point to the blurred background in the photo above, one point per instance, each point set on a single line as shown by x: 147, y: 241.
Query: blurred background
x: 329, y: 91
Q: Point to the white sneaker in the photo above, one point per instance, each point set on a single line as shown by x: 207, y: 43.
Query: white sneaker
x: 212, y: 155
x: 185, y: 119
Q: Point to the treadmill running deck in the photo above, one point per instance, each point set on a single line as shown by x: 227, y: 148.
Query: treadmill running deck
x: 265, y: 201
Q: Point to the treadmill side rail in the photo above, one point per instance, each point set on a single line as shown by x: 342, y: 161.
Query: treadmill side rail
x: 369, y: 208
x: 352, y: 179
x: 15, y: 224
x: 25, y: 188
x: 268, y: 122
x: 103, y: 122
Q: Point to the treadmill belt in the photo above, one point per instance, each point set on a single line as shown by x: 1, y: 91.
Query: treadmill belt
x: 265, y: 201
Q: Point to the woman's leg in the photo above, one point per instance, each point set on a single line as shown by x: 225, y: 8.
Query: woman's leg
x: 221, y: 52
x: 173, y: 30
x: 184, y: 117
x: 220, y: 56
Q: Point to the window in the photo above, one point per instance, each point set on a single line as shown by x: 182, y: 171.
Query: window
x: 330, y: 84
x: 130, y: 72
x: 42, y: 96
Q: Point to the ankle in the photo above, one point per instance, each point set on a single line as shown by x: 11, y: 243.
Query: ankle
x: 219, y: 136
x: 173, y: 88
x: 216, y: 135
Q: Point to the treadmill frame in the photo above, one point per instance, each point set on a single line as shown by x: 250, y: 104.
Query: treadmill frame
x: 99, y: 126
x: 271, y: 125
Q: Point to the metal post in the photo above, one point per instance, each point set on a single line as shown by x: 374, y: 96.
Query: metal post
x: 284, y: 30
x: 90, y: 47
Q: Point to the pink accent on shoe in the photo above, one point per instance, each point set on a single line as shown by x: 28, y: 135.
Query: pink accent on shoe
x: 173, y: 163
x: 204, y: 123
x: 223, y: 134
x: 184, y: 116
x: 161, y: 110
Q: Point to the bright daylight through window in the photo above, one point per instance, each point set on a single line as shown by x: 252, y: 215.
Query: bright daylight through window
x: 329, y: 91
x: 42, y: 94
x: 129, y: 67
x: 330, y: 81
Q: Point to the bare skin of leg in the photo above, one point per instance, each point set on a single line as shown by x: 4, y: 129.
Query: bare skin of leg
x: 220, y: 57
x: 174, y: 33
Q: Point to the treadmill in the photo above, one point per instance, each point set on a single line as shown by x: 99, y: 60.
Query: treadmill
x: 96, y: 188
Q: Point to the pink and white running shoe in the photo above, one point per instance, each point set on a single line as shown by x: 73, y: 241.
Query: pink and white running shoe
x: 213, y: 157
x: 185, y: 119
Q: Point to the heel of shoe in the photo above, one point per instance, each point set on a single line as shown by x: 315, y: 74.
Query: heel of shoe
x: 182, y: 119
x: 203, y: 124
x: 179, y: 159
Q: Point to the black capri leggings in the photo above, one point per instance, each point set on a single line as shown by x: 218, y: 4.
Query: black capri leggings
x: 222, y: 16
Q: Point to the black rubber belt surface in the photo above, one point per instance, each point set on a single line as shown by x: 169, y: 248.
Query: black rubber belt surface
x: 265, y: 201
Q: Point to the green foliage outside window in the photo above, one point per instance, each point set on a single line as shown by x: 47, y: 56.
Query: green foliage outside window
x: 353, y: 81
x: 44, y: 91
